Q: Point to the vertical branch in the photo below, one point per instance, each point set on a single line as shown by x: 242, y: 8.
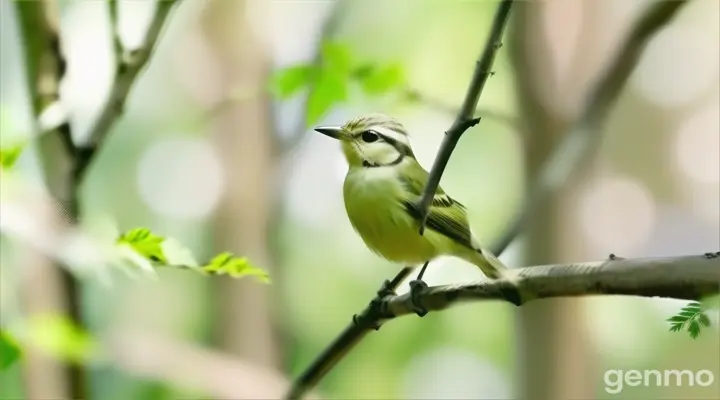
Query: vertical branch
x: 45, y: 65
x: 464, y: 119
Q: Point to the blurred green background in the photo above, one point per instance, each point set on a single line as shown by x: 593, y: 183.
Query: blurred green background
x: 206, y: 154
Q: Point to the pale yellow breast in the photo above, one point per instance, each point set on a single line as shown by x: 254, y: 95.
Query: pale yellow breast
x: 373, y: 203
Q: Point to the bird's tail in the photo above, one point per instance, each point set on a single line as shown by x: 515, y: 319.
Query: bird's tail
x: 490, y: 265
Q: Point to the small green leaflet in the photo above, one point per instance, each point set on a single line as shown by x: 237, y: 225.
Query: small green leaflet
x: 168, y: 252
x: 376, y: 80
x: 329, y: 89
x: 337, y: 57
x: 9, y: 155
x: 692, y: 317
x: 236, y: 267
x: 9, y: 350
x: 288, y: 81
x: 145, y: 243
x: 330, y: 79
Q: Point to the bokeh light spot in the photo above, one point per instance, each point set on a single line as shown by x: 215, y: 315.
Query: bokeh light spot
x: 180, y: 178
x: 616, y: 214
x: 697, y: 145
x: 450, y: 373
x: 679, y: 65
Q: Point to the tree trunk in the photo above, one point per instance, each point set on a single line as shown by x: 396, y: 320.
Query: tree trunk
x: 243, y: 134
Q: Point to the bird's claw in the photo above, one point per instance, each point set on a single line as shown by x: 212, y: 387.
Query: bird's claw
x: 385, y: 290
x: 416, y: 288
x: 370, y: 319
x: 712, y: 255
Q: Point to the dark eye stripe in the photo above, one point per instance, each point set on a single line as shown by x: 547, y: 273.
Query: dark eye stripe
x: 402, y: 148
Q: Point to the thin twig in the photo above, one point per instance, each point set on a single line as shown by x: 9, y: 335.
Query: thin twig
x: 579, y: 142
x: 686, y: 277
x: 465, y: 118
x: 130, y: 64
x: 115, y: 30
x: 415, y: 96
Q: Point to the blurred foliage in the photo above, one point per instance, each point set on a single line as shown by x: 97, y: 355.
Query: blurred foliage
x: 60, y: 337
x: 9, y: 155
x: 9, y: 350
x: 691, y: 317
x: 160, y: 251
x: 330, y: 79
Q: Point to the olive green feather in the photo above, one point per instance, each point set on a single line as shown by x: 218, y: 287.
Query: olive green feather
x: 446, y: 215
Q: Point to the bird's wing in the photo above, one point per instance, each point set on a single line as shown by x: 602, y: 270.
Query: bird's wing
x: 446, y: 215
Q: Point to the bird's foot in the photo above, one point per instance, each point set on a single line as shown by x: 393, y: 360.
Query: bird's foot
x: 385, y: 290
x: 416, y: 288
x: 370, y: 318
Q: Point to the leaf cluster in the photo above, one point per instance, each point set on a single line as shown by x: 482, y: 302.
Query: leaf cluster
x: 330, y: 79
x: 168, y: 252
x: 692, y: 318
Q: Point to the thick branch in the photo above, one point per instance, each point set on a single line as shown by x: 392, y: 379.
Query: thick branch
x: 465, y: 118
x: 46, y: 66
x: 686, y: 277
x: 582, y: 138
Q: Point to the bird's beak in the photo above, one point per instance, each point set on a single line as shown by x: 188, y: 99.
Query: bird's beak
x: 332, y: 131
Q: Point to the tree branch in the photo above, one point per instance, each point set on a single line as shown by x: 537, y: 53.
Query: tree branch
x: 45, y: 65
x: 465, y: 118
x: 183, y: 364
x: 685, y: 277
x: 583, y: 136
x: 130, y: 63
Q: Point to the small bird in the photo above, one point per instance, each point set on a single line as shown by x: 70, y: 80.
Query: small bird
x: 383, y: 183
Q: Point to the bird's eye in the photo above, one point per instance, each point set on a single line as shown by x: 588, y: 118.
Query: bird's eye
x: 369, y: 136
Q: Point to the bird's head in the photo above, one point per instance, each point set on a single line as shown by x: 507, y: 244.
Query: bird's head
x: 372, y: 140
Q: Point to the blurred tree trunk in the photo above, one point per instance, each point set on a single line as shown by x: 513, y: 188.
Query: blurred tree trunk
x: 243, y: 134
x: 554, y: 353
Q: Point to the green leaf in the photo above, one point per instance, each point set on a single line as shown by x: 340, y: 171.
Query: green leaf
x: 9, y: 155
x: 329, y: 89
x: 146, y: 243
x: 677, y: 318
x: 9, y: 350
x: 379, y: 80
x: 59, y: 336
x: 694, y: 329
x: 288, y: 81
x: 693, y: 316
x: 336, y: 57
x: 236, y: 267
